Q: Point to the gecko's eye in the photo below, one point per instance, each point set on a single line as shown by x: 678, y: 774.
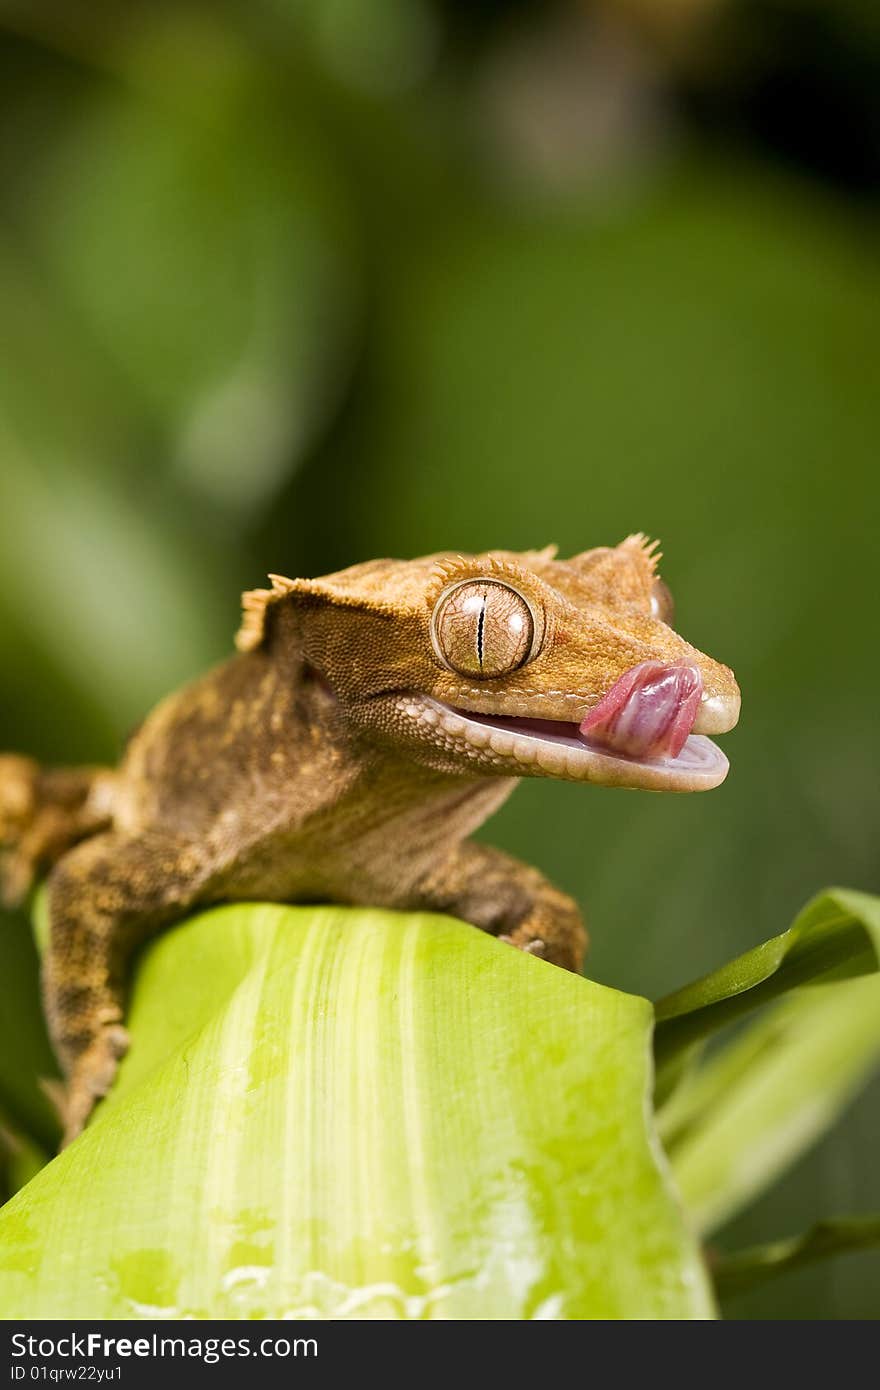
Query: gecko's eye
x: 481, y: 627
x: 662, y: 602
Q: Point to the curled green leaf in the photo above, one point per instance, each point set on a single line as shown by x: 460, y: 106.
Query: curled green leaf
x: 836, y: 936
x: 340, y: 1113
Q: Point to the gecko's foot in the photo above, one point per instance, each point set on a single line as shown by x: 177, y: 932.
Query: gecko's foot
x: 91, y: 1078
x: 533, y: 945
x: 563, y: 944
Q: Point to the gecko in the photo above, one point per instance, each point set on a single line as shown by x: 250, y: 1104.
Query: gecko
x: 369, y: 721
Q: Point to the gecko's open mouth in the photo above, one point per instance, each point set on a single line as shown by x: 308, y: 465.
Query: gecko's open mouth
x: 638, y: 735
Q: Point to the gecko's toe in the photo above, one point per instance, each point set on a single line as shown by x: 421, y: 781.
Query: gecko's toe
x: 91, y: 1078
x: 533, y: 946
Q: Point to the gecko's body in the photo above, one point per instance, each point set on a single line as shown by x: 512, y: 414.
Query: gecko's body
x: 369, y: 723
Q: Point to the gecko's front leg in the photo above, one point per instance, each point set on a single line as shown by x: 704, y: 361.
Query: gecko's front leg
x: 105, y: 897
x: 509, y: 899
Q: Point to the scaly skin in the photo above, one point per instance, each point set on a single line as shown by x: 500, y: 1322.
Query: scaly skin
x: 345, y: 754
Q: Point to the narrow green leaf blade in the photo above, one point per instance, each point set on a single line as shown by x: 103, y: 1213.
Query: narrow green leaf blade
x: 746, y: 1268
x: 754, y: 1107
x: 837, y: 935
x: 25, y: 1055
x: 343, y: 1113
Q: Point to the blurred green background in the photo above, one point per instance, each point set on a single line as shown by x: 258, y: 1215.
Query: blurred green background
x: 288, y: 284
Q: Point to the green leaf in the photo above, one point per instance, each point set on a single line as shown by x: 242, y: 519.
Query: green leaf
x: 746, y: 1268
x: 20, y: 1159
x: 361, y: 1114
x: 754, y: 1107
x: 107, y: 647
x: 734, y: 1123
x: 25, y: 1055
x: 837, y: 935
x: 220, y: 283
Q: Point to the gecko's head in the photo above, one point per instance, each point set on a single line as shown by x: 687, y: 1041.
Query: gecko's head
x: 512, y: 664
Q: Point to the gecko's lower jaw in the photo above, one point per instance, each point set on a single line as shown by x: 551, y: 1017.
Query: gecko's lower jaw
x: 555, y: 748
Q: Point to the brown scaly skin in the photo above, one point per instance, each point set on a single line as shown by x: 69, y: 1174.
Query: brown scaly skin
x: 323, y: 763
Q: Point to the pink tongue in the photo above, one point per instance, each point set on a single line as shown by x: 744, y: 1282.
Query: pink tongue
x: 649, y: 712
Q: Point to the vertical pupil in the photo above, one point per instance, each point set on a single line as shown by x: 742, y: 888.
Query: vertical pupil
x: 482, y: 628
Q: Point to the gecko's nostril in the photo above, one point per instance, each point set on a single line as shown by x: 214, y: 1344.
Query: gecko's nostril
x: 717, y: 714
